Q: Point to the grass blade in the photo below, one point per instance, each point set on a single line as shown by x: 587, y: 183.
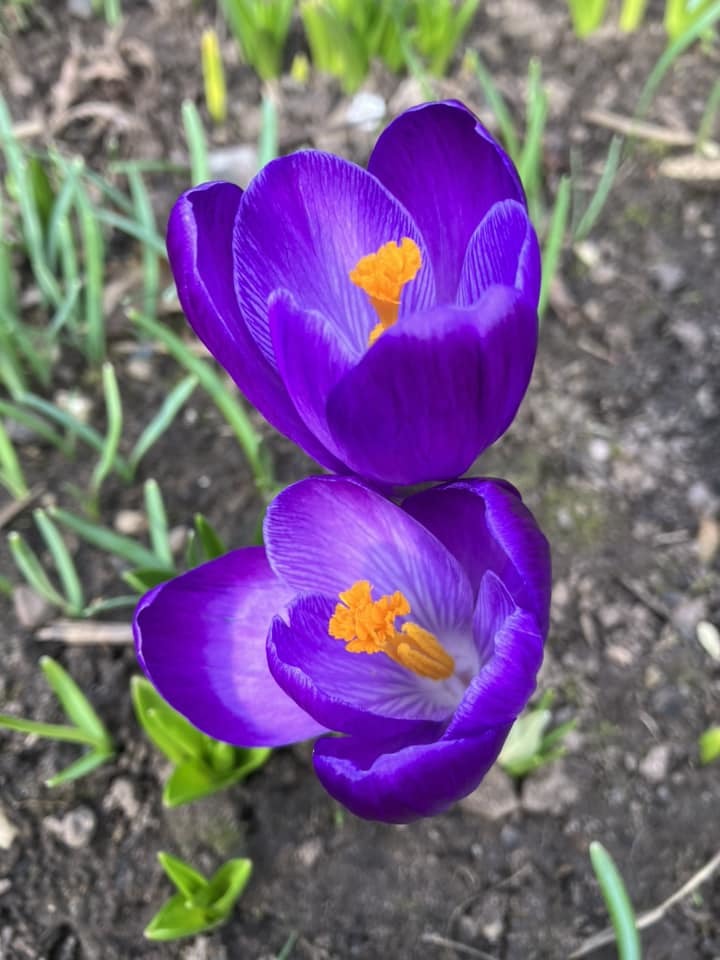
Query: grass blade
x: 554, y: 242
x: 617, y: 902
x: 248, y: 438
x: 74, y: 702
x: 497, y: 105
x: 113, y: 408
x: 602, y: 191
x: 11, y: 472
x: 171, y: 405
x: 157, y: 521
x: 94, y: 257
x: 151, y: 264
x: 268, y: 146
x: 107, y: 540
x: 51, y: 731
x: 32, y: 570
x: 197, y: 146
x: 66, y: 570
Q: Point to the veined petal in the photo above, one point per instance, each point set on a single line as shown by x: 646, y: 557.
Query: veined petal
x: 199, y: 242
x: 435, y: 390
x: 503, y: 250
x: 325, y: 533
x: 486, y: 526
x: 200, y: 639
x: 312, y: 354
x: 366, y: 694
x: 303, y: 224
x: 447, y: 170
x: 400, y: 780
x: 513, y: 647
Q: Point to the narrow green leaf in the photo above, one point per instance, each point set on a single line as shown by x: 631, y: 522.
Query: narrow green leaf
x: 554, y: 242
x: 50, y: 731
x: 74, y: 702
x: 195, y: 136
x: 191, y: 780
x: 157, y: 520
x: 210, y: 540
x: 12, y: 473
x: 143, y: 579
x: 186, y: 878
x: 171, y: 405
x: 617, y: 902
x: 587, y: 15
x: 15, y: 412
x: 249, y: 439
x: 168, y: 730
x: 177, y: 919
x: 268, y: 146
x: 497, y: 104
x: 27, y: 562
x: 69, y: 580
x: 107, y: 540
x: 226, y: 885
x: 602, y: 191
x: 151, y: 263
x: 113, y: 431
x: 82, y: 766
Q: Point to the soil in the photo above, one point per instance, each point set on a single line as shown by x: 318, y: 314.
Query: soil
x: 615, y: 449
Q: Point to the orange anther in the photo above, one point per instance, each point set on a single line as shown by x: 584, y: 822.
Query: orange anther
x: 382, y: 275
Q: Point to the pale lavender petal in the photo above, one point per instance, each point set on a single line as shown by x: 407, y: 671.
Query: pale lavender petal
x: 200, y: 639
x: 325, y: 533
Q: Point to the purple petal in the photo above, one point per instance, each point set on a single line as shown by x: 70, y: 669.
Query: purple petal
x: 325, y: 533
x: 303, y: 224
x: 200, y: 639
x: 486, y: 526
x: 435, y: 390
x: 447, y: 170
x: 503, y: 250
x: 366, y: 694
x: 397, y: 781
x: 311, y: 355
x: 514, y: 646
x: 199, y: 242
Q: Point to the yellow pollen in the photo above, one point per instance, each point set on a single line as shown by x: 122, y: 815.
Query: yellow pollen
x: 368, y: 626
x: 382, y: 275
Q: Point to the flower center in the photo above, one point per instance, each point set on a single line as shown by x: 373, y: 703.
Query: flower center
x: 382, y: 275
x: 368, y: 626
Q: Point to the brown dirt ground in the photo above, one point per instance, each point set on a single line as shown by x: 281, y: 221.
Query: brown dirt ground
x: 616, y: 449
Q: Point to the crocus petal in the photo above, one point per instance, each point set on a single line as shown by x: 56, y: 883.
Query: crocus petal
x: 312, y: 355
x: 447, y: 170
x: 506, y: 681
x: 503, y: 250
x: 366, y: 694
x: 397, y: 781
x: 200, y: 639
x: 199, y: 242
x: 303, y: 224
x: 325, y: 533
x: 435, y: 390
x: 485, y: 524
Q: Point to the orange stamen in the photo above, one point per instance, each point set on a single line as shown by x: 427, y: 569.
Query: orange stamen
x: 368, y: 626
x: 382, y: 275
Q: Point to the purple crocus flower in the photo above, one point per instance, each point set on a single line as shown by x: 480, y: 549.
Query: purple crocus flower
x: 416, y: 631
x: 383, y: 319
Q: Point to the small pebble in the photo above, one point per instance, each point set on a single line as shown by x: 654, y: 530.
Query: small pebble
x: 5, y: 885
x: 7, y: 831
x: 75, y: 829
x: 121, y: 796
x: 599, y: 450
x: 494, y: 799
x: 130, y: 522
x: 549, y: 790
x: 309, y: 852
x: 366, y: 110
x: 669, y: 277
x: 654, y: 766
x: 709, y: 639
x: 31, y: 609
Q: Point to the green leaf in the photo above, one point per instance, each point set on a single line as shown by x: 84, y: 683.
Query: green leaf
x: 191, y: 780
x: 157, y: 520
x: 186, y: 878
x: 145, y: 578
x: 617, y: 902
x: 178, y: 739
x: 250, y: 759
x: 74, y: 702
x: 82, y: 766
x: 208, y: 537
x: 709, y: 744
x: 178, y: 918
x: 523, y: 742
x: 226, y: 885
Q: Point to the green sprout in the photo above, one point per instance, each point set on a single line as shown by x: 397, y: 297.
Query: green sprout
x: 709, y: 745
x: 199, y: 904
x: 202, y: 765
x: 87, y: 727
x: 528, y: 746
x: 617, y: 902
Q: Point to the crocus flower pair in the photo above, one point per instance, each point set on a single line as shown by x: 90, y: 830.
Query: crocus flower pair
x: 385, y: 320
